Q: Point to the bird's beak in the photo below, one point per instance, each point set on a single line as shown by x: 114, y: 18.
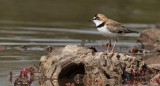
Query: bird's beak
x: 91, y: 20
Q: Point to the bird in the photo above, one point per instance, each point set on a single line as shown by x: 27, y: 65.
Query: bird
x: 110, y: 28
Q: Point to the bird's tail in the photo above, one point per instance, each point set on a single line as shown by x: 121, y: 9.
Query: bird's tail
x: 132, y: 31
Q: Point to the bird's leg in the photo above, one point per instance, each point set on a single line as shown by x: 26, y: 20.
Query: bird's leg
x: 109, y: 44
x: 112, y: 51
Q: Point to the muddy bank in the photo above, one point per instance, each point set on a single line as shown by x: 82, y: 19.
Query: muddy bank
x: 75, y: 65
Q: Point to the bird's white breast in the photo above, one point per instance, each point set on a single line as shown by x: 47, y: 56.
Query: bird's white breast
x: 105, y: 31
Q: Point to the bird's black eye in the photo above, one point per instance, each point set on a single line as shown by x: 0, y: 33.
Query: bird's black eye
x: 96, y: 18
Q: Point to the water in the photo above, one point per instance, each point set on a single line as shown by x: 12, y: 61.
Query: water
x: 38, y: 24
x: 14, y: 58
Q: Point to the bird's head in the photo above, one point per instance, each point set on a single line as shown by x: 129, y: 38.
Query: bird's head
x: 99, y: 19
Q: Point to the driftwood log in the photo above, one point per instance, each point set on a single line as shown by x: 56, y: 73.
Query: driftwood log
x: 86, y: 66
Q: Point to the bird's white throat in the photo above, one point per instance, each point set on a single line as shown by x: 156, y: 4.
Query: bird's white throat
x: 97, y: 22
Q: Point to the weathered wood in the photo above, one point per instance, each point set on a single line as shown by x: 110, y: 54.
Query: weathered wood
x: 96, y: 68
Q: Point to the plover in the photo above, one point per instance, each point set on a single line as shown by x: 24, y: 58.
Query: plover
x: 110, y: 28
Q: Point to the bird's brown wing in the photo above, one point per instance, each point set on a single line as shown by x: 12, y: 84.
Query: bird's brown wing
x: 116, y: 27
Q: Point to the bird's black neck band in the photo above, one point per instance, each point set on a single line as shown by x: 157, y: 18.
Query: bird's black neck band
x: 100, y: 25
